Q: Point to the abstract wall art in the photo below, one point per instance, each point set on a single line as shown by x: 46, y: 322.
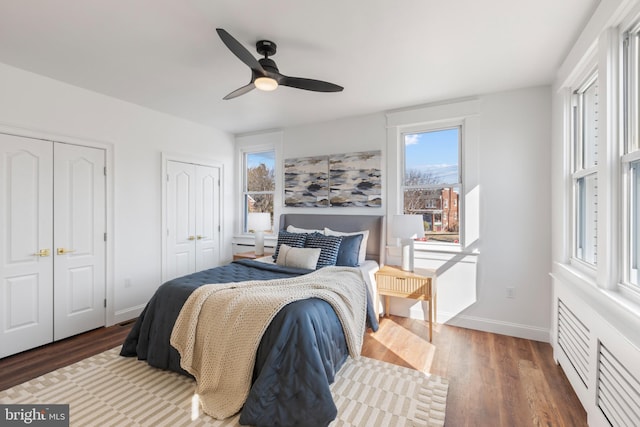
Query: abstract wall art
x: 355, y: 179
x: 306, y: 182
x: 340, y: 180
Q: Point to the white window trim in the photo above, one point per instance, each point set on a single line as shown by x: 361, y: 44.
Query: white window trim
x: 577, y: 171
x: 626, y: 280
x: 464, y: 113
x: 256, y: 143
x: 630, y: 153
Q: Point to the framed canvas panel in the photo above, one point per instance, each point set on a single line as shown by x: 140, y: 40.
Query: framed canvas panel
x: 306, y: 182
x: 356, y: 179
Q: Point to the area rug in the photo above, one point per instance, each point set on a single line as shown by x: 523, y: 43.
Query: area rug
x: 109, y: 390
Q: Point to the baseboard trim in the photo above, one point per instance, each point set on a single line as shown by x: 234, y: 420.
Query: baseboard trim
x: 499, y: 327
x: 127, y: 314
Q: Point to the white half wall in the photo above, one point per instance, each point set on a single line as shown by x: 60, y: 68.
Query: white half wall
x: 135, y: 137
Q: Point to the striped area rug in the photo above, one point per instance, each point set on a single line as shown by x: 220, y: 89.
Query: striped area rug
x: 109, y: 390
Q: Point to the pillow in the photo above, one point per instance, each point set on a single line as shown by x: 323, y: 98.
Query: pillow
x: 294, y: 240
x: 292, y: 229
x: 329, y: 245
x: 363, y: 245
x: 349, y: 251
x: 298, y: 257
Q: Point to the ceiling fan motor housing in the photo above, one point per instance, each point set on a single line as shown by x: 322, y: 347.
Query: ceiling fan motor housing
x: 268, y: 65
x: 266, y: 48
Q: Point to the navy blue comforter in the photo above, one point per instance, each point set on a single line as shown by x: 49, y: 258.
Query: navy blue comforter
x: 300, y: 353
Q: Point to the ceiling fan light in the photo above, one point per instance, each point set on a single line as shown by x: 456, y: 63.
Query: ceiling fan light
x: 266, y: 83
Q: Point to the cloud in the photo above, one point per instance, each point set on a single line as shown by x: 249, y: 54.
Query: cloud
x: 411, y: 139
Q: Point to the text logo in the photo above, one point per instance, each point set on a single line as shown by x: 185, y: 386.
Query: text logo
x: 34, y: 415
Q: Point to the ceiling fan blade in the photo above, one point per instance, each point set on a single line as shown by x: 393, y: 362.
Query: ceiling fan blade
x: 240, y: 91
x: 309, y: 84
x: 240, y: 51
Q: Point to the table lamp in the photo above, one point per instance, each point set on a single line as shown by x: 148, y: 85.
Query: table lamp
x: 407, y: 228
x: 259, y: 222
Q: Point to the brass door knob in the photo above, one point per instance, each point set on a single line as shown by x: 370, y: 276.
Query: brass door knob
x: 191, y: 238
x: 43, y: 253
x: 62, y: 251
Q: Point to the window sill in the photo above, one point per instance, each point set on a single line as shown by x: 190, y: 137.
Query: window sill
x: 615, y: 306
x: 445, y: 249
x: 270, y: 240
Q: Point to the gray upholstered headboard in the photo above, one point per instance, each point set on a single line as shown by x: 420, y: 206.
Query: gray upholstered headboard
x: 346, y: 223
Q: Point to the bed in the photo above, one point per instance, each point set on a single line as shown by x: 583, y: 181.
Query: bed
x: 303, y: 346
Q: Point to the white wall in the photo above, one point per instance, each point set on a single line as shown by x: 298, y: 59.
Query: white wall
x: 136, y: 137
x: 363, y: 133
x: 515, y: 224
x: 511, y: 168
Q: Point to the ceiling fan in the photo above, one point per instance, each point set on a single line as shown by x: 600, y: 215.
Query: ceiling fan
x: 264, y: 72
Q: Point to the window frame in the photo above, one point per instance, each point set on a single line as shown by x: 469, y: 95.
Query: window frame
x: 426, y: 128
x: 630, y: 162
x: 244, y: 193
x: 580, y: 172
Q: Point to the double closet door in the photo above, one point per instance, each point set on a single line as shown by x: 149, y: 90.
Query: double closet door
x: 193, y: 218
x: 52, y: 241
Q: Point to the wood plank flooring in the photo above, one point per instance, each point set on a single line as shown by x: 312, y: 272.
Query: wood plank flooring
x: 494, y: 380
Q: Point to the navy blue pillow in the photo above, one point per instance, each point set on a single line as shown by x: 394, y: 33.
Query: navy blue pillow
x: 329, y: 247
x: 349, y: 250
x: 295, y: 240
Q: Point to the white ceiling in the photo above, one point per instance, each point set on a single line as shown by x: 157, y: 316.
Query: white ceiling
x: 166, y: 55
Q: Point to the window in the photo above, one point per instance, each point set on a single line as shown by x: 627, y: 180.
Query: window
x: 258, y: 183
x: 634, y: 223
x: 585, y: 171
x: 432, y: 183
x: 630, y: 159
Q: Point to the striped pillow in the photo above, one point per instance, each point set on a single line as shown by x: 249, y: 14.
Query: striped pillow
x: 294, y: 240
x: 329, y: 248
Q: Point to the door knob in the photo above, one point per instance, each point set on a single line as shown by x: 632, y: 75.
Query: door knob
x: 62, y: 251
x: 201, y: 237
x: 191, y: 238
x: 43, y: 252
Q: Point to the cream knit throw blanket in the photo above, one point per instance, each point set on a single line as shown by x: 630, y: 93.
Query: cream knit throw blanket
x: 220, y: 327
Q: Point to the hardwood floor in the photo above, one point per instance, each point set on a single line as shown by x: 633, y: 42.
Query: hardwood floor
x: 494, y: 380
x: 30, y: 364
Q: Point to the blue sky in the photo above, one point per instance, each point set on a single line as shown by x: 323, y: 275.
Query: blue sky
x: 436, y: 151
x: 268, y: 158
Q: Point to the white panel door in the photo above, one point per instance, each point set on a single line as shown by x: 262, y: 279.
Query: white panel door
x: 80, y: 247
x: 207, y: 217
x: 26, y: 227
x: 193, y: 218
x: 181, y: 225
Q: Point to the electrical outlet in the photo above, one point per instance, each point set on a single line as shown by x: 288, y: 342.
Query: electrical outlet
x: 511, y: 292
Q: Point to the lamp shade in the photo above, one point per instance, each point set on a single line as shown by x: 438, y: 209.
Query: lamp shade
x: 407, y: 226
x: 259, y: 221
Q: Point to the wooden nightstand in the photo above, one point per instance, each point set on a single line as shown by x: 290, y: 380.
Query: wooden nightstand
x: 248, y: 255
x: 392, y: 281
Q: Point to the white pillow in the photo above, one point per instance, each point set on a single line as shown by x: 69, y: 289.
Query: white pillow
x: 298, y: 257
x: 363, y: 245
x: 292, y: 229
